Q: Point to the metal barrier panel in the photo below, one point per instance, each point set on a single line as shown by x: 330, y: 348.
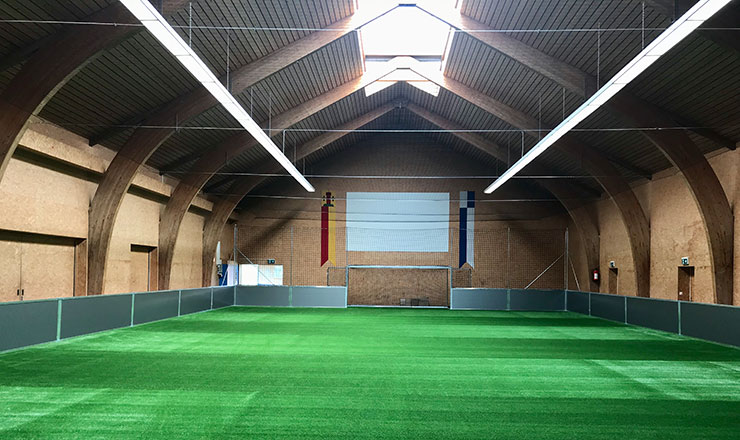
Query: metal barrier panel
x: 478, y: 299
x: 27, y: 323
x: 90, y: 314
x: 154, y: 306
x: 578, y: 302
x: 607, y: 306
x: 653, y: 313
x: 276, y: 296
x: 319, y: 296
x: 711, y: 322
x: 223, y: 297
x: 195, y: 300
x: 537, y: 300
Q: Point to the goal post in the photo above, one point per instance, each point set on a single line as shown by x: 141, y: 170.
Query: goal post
x: 380, y: 285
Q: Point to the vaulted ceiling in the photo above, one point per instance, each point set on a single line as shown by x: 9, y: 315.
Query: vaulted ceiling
x: 105, y: 101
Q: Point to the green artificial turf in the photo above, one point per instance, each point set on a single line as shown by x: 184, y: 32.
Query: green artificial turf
x: 373, y: 373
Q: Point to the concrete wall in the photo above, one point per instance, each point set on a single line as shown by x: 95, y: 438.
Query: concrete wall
x: 44, y: 199
x: 677, y: 231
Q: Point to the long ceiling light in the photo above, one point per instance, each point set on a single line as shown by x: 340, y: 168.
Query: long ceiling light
x: 676, y: 32
x: 166, y: 35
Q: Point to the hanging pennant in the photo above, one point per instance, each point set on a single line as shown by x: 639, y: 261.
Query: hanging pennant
x: 467, y: 230
x: 328, y: 230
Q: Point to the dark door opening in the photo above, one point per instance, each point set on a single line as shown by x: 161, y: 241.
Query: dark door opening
x: 685, y: 283
x: 613, y: 280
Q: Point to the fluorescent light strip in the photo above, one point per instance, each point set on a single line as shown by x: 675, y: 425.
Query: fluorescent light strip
x: 163, y: 32
x: 687, y: 23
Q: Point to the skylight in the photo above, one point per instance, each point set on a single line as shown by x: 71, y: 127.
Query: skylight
x: 404, y: 31
x: 403, y: 75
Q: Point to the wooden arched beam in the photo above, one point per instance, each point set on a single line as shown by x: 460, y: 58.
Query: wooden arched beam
x: 143, y: 142
x: 50, y: 68
x: 587, y: 227
x: 633, y: 217
x: 703, y: 182
x: 677, y: 146
x: 210, y: 163
x: 224, y: 207
x: 568, y: 76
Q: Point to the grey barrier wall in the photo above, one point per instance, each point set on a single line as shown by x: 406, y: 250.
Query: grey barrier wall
x: 275, y: 296
x: 537, y: 300
x: 578, y: 302
x: 507, y: 299
x: 712, y: 322
x: 28, y: 323
x: 653, y: 313
x: 155, y: 306
x: 479, y: 299
x: 195, y: 300
x: 611, y: 307
x: 223, y: 296
x: 34, y: 322
x: 319, y: 296
x: 90, y: 314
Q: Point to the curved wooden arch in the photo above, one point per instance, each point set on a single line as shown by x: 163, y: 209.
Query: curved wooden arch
x: 202, y: 171
x: 239, y: 189
x: 703, y: 183
x: 587, y: 227
x: 678, y: 148
x: 144, y: 142
x: 633, y: 217
x: 50, y: 68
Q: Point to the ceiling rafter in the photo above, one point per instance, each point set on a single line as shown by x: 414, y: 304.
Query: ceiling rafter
x: 565, y: 193
x: 202, y: 171
x: 633, y: 216
x: 21, y: 54
x: 564, y: 74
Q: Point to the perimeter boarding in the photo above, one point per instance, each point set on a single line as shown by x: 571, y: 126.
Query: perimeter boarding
x: 28, y: 323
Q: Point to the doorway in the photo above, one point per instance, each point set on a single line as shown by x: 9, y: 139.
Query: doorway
x: 144, y: 267
x: 613, y: 280
x: 36, y: 266
x: 685, y: 283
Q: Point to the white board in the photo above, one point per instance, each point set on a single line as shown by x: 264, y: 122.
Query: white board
x: 398, y: 222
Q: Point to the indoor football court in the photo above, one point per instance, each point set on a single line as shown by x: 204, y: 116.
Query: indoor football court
x: 371, y: 219
x: 243, y: 372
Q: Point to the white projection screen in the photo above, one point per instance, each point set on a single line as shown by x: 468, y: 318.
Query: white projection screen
x: 398, y: 222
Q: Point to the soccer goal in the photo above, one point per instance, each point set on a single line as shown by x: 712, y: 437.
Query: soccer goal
x: 411, y: 286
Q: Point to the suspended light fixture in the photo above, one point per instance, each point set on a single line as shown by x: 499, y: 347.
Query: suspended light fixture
x: 676, y: 32
x: 166, y: 35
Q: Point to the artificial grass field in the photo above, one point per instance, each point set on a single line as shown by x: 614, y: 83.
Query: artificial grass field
x: 373, y: 373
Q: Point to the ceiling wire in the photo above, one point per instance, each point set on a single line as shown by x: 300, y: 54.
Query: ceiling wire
x: 279, y: 130
x: 391, y: 177
x: 312, y: 29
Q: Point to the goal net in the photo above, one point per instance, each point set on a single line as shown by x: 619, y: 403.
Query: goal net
x: 398, y: 285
